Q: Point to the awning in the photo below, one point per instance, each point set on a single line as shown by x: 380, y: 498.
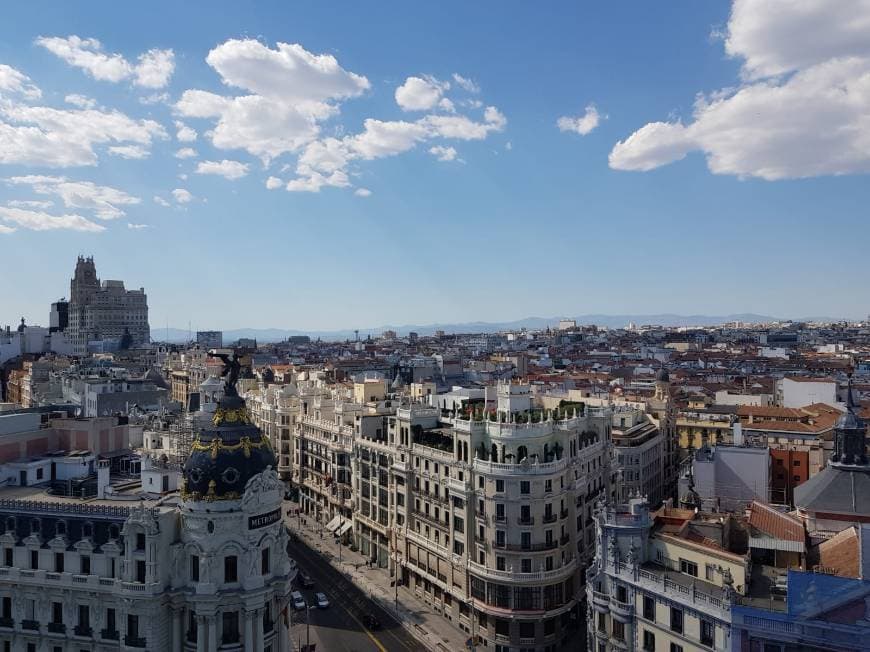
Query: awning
x: 334, y: 523
x: 344, y: 528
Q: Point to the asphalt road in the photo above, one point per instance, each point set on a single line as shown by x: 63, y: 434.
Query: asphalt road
x: 340, y: 628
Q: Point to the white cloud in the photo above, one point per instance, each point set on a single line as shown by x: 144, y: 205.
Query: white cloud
x: 420, y: 93
x: 185, y: 152
x: 462, y: 127
x: 160, y: 201
x: 105, y: 202
x: 184, y: 133
x: 129, y: 151
x: 14, y: 81
x: 465, y: 83
x: 380, y: 138
x: 273, y: 182
x: 136, y: 227
x: 154, y: 98
x: 443, y: 153
x: 81, y: 101
x: 30, y: 203
x: 153, y: 70
x: 38, y: 135
x: 581, y: 124
x: 802, y: 110
x: 231, y: 170
x: 6, y: 229
x: 182, y: 196
x: 362, y: 192
x: 508, y: 146
x: 289, y: 92
x: 40, y: 221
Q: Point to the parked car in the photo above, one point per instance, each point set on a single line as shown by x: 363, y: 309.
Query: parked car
x: 305, y: 580
x: 298, y: 601
x: 322, y: 600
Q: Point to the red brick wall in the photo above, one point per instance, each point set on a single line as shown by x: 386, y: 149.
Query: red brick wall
x: 10, y: 452
x: 38, y: 446
x: 788, y: 470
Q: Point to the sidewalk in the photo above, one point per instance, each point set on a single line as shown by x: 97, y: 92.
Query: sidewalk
x: 431, y: 629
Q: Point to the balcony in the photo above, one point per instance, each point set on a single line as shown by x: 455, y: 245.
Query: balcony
x: 7, y: 622
x: 549, y: 518
x: 135, y: 641
x: 563, y: 513
x: 499, y: 519
x: 622, y: 610
x: 30, y: 624
x: 57, y: 628
x: 564, y: 539
x: 532, y: 468
x: 109, y: 634
x: 516, y: 576
x: 83, y: 630
x: 530, y: 520
x: 525, y: 547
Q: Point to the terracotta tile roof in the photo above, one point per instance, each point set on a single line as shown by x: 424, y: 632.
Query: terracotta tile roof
x: 840, y: 554
x: 775, y: 524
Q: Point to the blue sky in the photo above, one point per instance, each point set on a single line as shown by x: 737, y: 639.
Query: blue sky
x: 723, y: 173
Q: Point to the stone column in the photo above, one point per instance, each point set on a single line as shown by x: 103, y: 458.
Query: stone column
x: 177, y: 634
x: 212, y: 633
x: 201, y: 634
x: 249, y: 631
x: 258, y: 630
x: 283, y: 634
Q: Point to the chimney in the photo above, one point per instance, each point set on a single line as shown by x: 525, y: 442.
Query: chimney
x: 102, y: 478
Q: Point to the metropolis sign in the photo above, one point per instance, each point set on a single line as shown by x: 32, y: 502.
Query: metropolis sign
x: 262, y: 520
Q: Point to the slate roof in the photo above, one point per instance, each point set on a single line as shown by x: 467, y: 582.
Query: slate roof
x: 836, y: 489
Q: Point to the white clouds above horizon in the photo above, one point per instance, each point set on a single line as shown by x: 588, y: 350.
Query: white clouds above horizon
x: 185, y: 152
x: 582, y: 124
x: 362, y: 192
x: 15, y: 81
x: 273, y: 183
x: 802, y: 109
x: 36, y: 220
x: 153, y: 69
x: 231, y: 170
x: 442, y: 153
x: 420, y: 93
x: 105, y: 202
x: 465, y: 83
x: 184, y: 133
x: 182, y: 196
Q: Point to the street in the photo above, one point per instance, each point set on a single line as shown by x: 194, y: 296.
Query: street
x: 339, y: 628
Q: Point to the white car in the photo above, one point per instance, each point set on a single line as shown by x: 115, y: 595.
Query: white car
x: 322, y: 600
x: 298, y: 601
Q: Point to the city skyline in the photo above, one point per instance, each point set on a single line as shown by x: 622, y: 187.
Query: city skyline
x: 529, y: 162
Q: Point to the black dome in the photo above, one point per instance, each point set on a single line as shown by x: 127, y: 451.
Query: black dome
x: 662, y: 376
x: 223, y: 458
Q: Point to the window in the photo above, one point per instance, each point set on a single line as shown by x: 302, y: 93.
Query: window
x: 7, y: 557
x: 58, y: 562
x: 649, y: 641
x: 480, y: 482
x: 56, y: 612
x: 676, y: 620
x: 621, y: 594
x: 688, y: 567
x: 499, y: 539
x: 264, y: 561
x: 230, y: 569
x: 708, y: 633
x: 499, y: 511
x: 110, y: 620
x: 140, y: 571
x: 525, y: 487
x: 194, y: 568
x: 676, y: 648
x: 458, y: 547
x: 499, y: 563
x: 230, y: 627
x: 499, y: 486
x: 140, y: 541
x: 527, y: 629
x: 602, y: 622
x: 526, y: 565
x: 132, y: 626
x: 548, y: 486
x: 618, y: 630
x: 85, y: 564
x: 34, y: 559
x: 710, y: 572
x: 84, y: 616
x: 7, y: 607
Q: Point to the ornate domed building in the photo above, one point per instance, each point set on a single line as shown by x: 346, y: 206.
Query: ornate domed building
x: 233, y: 557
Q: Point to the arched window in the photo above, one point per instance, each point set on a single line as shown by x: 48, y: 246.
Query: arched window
x: 522, y: 453
x: 494, y: 454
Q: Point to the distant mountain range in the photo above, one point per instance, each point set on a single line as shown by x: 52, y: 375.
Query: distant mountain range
x: 610, y: 321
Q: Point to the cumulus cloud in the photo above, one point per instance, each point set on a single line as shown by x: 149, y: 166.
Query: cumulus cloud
x: 443, y: 153
x: 6, y: 229
x: 231, y: 170
x: 30, y: 203
x: 287, y: 92
x: 185, y: 152
x: 184, y: 133
x: 182, y: 196
x: 104, y: 202
x: 362, y: 192
x: 14, y: 81
x: 465, y: 83
x: 152, y: 70
x: 129, y: 151
x: 273, y: 183
x: 34, y: 220
x: 420, y: 93
x: 160, y: 201
x: 802, y: 108
x: 81, y: 101
x: 38, y: 135
x: 581, y: 124
x: 136, y: 227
